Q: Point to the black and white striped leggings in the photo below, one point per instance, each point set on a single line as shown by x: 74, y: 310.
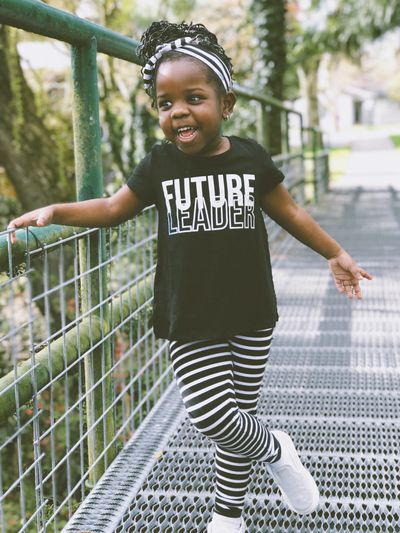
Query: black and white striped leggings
x: 219, y: 382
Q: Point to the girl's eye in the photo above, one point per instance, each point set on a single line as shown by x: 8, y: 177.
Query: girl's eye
x: 164, y: 104
x: 194, y: 99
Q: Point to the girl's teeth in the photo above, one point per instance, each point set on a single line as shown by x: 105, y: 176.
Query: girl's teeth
x: 186, y: 133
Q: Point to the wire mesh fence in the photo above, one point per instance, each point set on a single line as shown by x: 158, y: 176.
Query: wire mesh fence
x: 51, y: 400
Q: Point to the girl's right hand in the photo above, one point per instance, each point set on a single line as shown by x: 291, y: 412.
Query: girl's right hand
x: 39, y: 217
x: 347, y: 274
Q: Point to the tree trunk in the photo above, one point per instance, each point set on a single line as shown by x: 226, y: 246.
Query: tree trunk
x: 309, y: 84
x: 312, y: 98
x: 32, y: 155
x: 270, y: 24
x: 312, y: 95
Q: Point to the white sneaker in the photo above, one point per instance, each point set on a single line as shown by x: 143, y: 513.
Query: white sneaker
x: 226, y: 528
x: 298, y: 488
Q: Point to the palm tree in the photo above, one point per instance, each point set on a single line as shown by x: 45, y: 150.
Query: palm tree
x: 343, y: 28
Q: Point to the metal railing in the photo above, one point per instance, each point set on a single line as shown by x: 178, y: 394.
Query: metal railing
x: 80, y: 365
x: 61, y: 421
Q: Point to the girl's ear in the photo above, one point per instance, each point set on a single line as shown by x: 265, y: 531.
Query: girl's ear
x: 228, y: 103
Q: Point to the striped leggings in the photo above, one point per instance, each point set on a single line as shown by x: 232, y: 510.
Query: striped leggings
x: 219, y: 382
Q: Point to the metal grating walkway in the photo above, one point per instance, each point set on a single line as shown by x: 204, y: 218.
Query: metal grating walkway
x: 333, y: 383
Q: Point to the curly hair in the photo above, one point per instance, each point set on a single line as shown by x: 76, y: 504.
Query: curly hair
x: 164, y: 32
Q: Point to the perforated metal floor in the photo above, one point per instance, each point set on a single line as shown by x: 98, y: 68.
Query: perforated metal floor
x: 332, y: 383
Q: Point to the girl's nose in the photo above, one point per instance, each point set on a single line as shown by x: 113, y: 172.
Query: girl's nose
x: 179, y: 110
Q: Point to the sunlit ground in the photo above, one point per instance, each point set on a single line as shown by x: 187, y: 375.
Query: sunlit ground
x: 338, y: 158
x: 340, y: 143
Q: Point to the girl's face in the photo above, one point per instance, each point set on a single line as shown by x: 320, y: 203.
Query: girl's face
x: 191, y: 108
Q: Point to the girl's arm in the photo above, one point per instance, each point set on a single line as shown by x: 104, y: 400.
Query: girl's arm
x: 99, y: 212
x: 281, y: 207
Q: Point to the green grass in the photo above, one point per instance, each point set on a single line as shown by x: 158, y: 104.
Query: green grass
x: 371, y: 127
x: 396, y: 140
x: 338, y: 158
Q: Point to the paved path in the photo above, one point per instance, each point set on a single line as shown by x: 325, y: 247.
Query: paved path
x: 333, y: 383
x: 373, y: 163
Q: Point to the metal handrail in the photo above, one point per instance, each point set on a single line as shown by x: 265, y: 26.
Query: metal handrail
x: 65, y: 351
x: 264, y: 99
x: 42, y: 19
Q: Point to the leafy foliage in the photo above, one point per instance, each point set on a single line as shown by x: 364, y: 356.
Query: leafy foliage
x: 339, y: 28
x: 353, y: 23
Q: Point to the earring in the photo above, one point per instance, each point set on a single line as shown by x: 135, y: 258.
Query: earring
x: 226, y: 116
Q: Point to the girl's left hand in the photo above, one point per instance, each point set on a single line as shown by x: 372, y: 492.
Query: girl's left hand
x: 347, y: 274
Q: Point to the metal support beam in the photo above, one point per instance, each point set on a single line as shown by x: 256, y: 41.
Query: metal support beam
x: 285, y: 131
x: 89, y: 184
x: 263, y: 126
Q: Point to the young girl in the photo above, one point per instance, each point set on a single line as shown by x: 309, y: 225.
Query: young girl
x: 213, y: 295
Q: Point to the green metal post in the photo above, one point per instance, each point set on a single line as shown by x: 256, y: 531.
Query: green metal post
x: 303, y: 154
x: 302, y: 128
x: 263, y: 125
x: 89, y: 183
x: 285, y: 131
x: 327, y: 173
x: 315, y: 169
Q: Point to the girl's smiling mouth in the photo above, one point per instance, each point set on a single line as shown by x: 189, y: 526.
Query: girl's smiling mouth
x: 186, y: 133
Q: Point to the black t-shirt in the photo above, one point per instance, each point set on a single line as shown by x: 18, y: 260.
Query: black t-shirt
x: 213, y: 276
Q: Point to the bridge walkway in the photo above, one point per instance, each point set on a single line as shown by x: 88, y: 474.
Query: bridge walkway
x: 332, y: 383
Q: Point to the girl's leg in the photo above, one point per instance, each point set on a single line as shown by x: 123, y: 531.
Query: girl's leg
x: 250, y: 354
x: 204, y: 375
x: 204, y: 372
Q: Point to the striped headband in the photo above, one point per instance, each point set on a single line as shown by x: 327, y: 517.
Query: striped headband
x: 186, y: 46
